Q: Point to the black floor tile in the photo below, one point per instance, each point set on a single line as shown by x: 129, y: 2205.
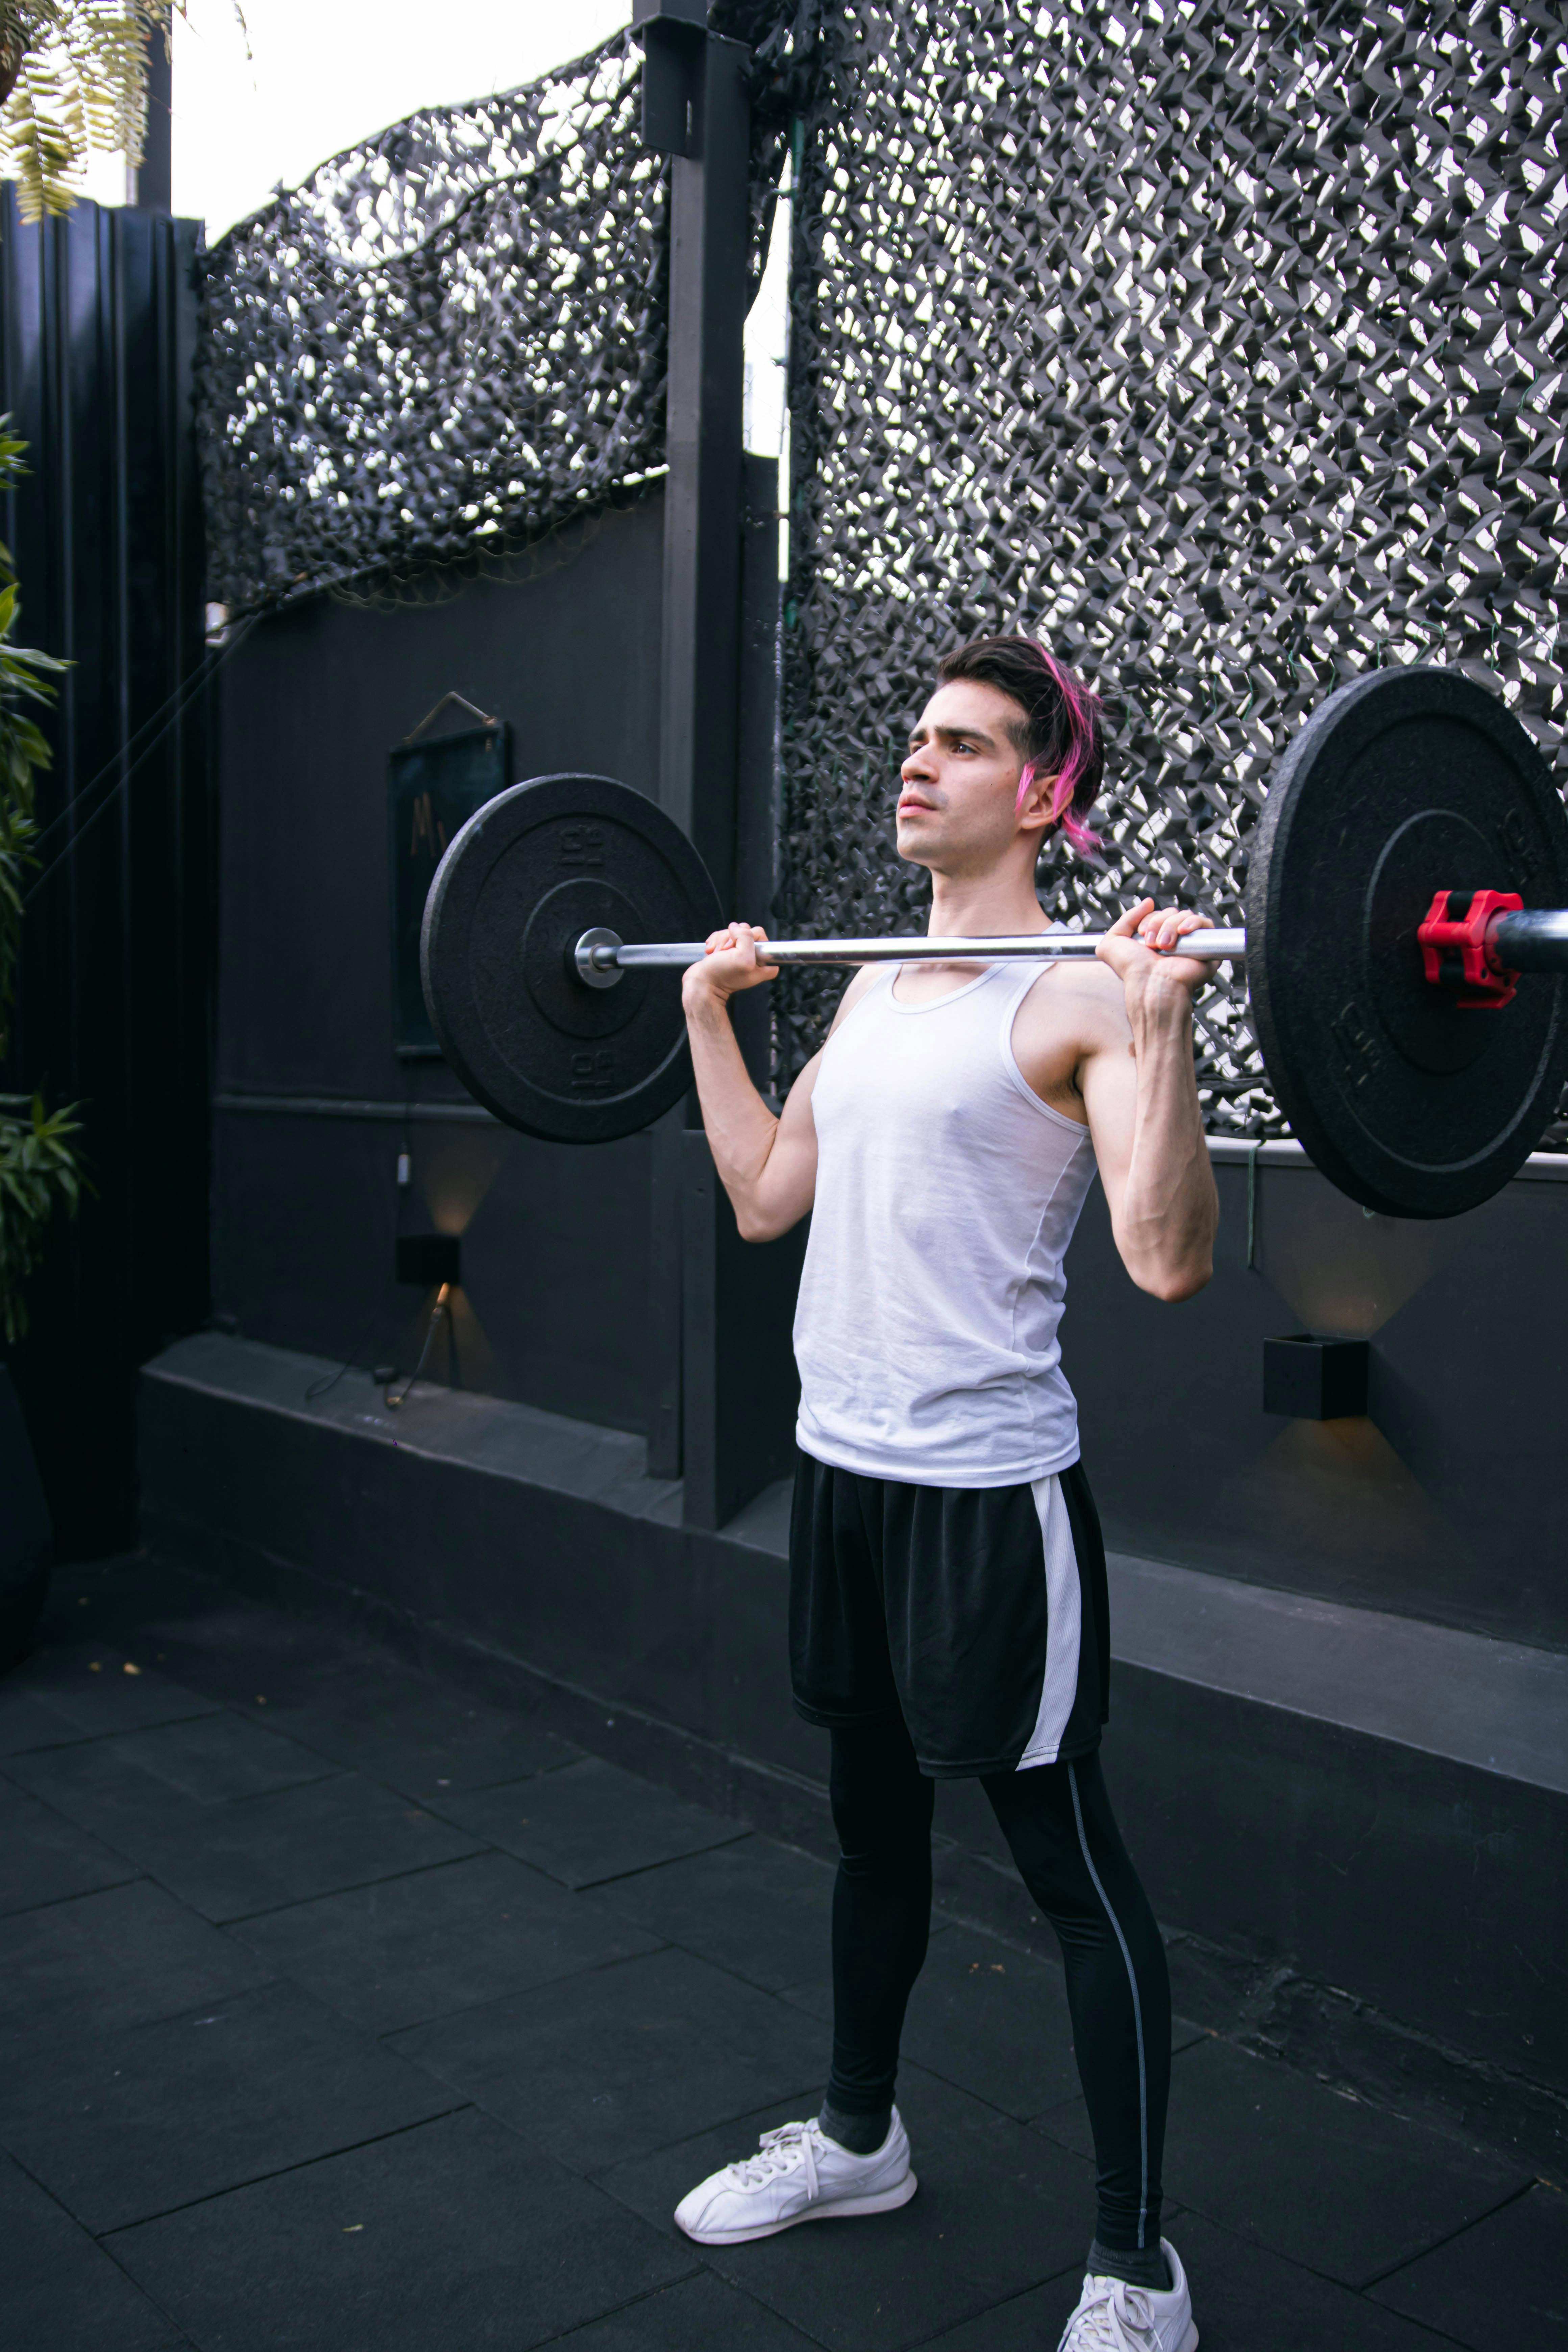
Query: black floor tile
x: 118, y: 1958
x: 61, y: 2292
x: 453, y: 2238
x: 700, y: 2314
x: 995, y: 2022
x: 242, y: 1654
x: 86, y: 1690
x: 759, y: 1910
x: 997, y: 2211
x: 991, y: 2020
x: 382, y: 1718
x: 117, y: 1785
x: 362, y: 1706
x: 1244, y: 2299
x: 1247, y: 2299
x: 608, y: 2065
x: 1211, y: 1986
x: 136, y: 2075
x: 590, y: 1823
x: 27, y: 1721
x: 122, y: 1600
x: 1339, y: 2187
x: 415, y: 1948
x: 43, y: 1859
x: 125, y: 2126
x: 228, y: 1861
x: 1030, y: 2322
x: 1501, y: 2284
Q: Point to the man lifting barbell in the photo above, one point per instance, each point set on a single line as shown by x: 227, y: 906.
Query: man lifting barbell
x: 948, y: 1610
x: 948, y: 1606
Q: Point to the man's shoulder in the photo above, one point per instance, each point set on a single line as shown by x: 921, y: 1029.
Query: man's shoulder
x: 865, y: 980
x: 1081, y: 991
x: 1070, y: 1017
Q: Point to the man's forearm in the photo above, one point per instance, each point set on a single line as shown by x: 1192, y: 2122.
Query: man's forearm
x: 1168, y: 1208
x: 740, y: 1125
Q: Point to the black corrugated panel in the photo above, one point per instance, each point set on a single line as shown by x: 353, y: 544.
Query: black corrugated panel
x: 99, y: 314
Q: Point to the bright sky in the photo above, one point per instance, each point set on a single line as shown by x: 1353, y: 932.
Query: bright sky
x: 322, y: 73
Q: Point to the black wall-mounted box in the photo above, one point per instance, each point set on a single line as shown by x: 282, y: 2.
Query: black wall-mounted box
x: 1315, y: 1380
x: 425, y: 1260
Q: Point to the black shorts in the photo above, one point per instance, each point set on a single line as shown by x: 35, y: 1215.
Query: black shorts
x: 979, y: 1614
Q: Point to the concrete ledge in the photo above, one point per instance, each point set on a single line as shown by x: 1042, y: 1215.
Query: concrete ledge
x: 1551, y: 1167
x: 1497, y: 1704
x: 1353, y: 1813
x: 1500, y: 1705
x: 1542, y: 1167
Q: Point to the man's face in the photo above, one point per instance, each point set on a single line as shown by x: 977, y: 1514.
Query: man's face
x: 958, y: 807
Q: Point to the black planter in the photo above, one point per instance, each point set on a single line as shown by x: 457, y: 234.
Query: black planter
x: 25, y: 1540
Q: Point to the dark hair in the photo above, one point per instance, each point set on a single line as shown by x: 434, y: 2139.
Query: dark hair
x: 1060, y: 735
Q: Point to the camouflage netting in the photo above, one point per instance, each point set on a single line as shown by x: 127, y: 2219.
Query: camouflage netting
x: 451, y: 337
x: 1223, y: 344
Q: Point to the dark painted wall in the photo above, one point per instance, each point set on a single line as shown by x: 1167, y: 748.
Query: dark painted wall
x: 553, y: 1303
x: 96, y: 325
x: 1445, y: 1501
x: 554, y: 1306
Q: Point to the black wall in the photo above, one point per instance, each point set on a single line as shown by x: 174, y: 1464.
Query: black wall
x: 1445, y: 1501
x: 555, y: 1300
x: 97, y: 323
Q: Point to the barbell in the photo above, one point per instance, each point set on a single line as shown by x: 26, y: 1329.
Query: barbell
x: 1405, y: 943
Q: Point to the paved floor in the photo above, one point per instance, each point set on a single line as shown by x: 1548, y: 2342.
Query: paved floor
x: 338, y: 2013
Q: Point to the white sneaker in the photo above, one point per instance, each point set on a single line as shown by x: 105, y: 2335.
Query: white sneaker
x: 1112, y: 2316
x: 798, y: 2174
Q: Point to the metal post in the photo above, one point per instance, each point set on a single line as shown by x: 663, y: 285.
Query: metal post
x: 696, y: 109
x: 155, y: 174
x: 709, y: 230
x: 757, y: 795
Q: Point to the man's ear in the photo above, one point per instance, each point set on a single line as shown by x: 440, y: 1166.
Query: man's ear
x: 1034, y: 800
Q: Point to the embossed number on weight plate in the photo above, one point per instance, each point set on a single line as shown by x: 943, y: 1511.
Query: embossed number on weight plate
x: 1355, y: 1041
x: 1521, y: 847
x: 594, y: 1074
x: 582, y: 845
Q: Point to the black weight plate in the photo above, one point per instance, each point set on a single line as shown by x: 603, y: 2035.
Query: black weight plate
x: 527, y: 876
x: 1403, y: 784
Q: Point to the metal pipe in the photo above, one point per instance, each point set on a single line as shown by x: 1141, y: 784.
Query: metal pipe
x: 1532, y: 941
x: 599, y: 952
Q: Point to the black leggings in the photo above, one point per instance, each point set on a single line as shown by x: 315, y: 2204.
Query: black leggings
x: 1056, y: 1818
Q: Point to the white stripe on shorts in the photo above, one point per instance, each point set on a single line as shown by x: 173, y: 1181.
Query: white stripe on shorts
x: 1064, y: 1605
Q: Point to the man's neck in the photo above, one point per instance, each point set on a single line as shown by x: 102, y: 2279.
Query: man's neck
x: 992, y: 906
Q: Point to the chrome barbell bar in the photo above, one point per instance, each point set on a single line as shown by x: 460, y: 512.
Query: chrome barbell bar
x: 1534, y: 941
x: 600, y: 957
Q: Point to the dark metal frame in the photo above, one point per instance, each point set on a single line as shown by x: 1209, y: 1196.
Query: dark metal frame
x: 728, y: 1434
x: 115, y: 1006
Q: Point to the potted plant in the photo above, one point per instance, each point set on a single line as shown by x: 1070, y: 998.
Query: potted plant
x: 38, y: 1171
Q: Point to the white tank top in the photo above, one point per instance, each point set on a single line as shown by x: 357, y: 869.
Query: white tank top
x: 946, y: 1195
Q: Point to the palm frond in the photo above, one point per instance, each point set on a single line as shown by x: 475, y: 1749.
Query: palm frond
x: 73, y: 82
x: 38, y: 1172
x: 38, y: 1167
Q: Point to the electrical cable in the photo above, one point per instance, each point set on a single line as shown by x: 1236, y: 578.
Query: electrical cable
x: 184, y: 693
x: 195, y: 687
x: 436, y: 1312
x: 318, y: 1388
